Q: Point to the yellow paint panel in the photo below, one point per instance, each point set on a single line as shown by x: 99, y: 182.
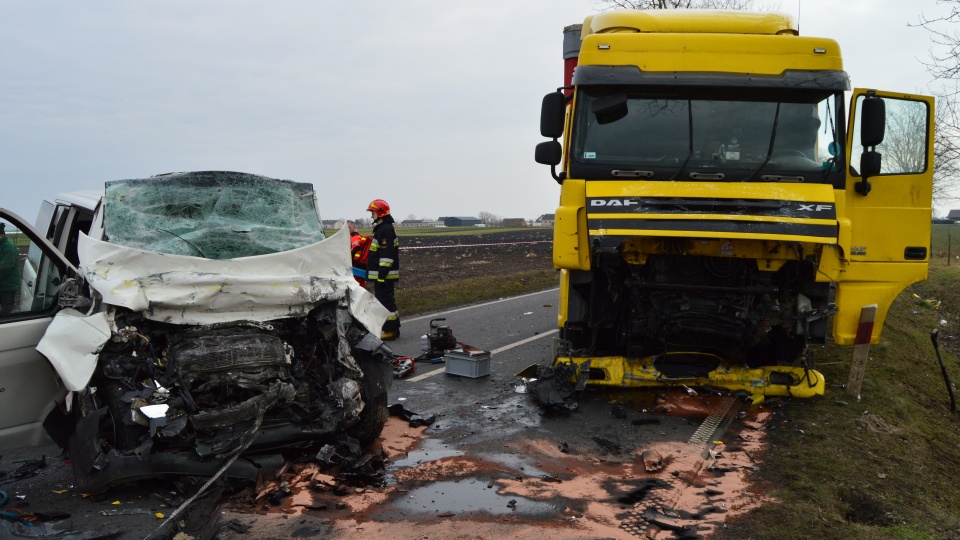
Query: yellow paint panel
x: 716, y: 53
x: 689, y: 21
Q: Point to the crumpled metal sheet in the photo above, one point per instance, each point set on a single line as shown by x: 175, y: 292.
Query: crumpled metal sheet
x: 180, y: 289
x: 72, y: 343
x: 557, y: 386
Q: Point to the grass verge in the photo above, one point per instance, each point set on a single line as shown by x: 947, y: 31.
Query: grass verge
x: 440, y: 296
x: 886, y: 467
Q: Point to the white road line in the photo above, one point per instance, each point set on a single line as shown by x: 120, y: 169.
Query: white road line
x: 493, y: 352
x: 434, y: 316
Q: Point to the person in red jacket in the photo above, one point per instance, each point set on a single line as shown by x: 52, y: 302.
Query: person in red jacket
x: 383, y: 265
x: 359, y: 250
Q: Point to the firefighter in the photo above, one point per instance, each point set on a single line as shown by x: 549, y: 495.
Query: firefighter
x: 383, y: 265
x: 359, y: 250
x: 9, y: 272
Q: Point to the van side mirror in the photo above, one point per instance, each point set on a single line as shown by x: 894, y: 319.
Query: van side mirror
x: 552, y: 111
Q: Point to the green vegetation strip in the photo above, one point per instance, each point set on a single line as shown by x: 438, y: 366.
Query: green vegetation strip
x: 449, y: 294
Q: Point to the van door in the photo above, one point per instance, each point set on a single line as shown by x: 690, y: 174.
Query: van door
x: 29, y: 387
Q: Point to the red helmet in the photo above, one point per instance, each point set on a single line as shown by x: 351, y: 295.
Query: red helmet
x: 380, y: 207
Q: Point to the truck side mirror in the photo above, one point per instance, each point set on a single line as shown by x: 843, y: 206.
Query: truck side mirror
x: 873, y: 119
x: 552, y: 111
x: 549, y: 153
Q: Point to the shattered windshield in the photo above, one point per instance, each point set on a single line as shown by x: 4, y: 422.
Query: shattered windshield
x: 214, y: 215
x: 730, y: 134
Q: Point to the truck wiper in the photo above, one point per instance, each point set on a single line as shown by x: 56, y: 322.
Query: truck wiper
x: 773, y: 137
x: 194, y: 246
x: 690, y: 144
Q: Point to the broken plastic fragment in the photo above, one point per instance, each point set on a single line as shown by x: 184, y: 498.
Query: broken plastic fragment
x: 155, y: 411
x: 652, y: 460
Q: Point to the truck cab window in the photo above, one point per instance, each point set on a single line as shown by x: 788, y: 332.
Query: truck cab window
x: 738, y: 136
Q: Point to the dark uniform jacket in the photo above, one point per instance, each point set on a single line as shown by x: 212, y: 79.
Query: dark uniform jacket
x: 383, y: 263
x: 9, y: 266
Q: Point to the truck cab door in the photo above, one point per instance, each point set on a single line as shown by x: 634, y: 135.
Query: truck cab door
x: 884, y: 216
x: 29, y: 387
x: 889, y: 215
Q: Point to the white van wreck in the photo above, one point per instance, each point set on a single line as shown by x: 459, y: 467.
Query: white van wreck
x: 208, y: 318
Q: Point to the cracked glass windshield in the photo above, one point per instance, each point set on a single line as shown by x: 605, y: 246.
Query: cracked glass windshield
x: 733, y: 135
x: 214, y: 215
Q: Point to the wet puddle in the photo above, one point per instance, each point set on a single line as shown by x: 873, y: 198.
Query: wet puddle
x: 469, y: 495
x: 516, y: 462
x: 429, y: 450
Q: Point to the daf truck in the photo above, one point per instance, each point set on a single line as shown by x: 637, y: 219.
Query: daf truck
x: 722, y: 207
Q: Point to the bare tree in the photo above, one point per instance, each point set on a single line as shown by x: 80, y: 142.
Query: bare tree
x: 490, y: 220
x: 944, y: 60
x: 904, y: 148
x: 943, y: 63
x: 946, y: 150
x: 676, y: 4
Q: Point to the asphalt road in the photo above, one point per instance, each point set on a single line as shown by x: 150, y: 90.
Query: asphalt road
x: 488, y: 446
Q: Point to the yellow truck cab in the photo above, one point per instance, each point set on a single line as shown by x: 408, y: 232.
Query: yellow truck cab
x: 721, y: 207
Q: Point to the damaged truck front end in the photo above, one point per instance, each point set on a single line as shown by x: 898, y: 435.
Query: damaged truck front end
x: 718, y: 213
x: 230, y: 330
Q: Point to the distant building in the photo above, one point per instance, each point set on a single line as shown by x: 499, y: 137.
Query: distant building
x: 333, y: 223
x: 420, y: 223
x: 953, y: 215
x: 461, y: 221
x: 514, y: 222
x: 546, y: 220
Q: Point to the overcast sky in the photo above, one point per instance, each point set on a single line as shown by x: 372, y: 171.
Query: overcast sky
x: 433, y: 106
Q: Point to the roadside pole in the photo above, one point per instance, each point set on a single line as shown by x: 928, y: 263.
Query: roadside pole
x: 861, y: 348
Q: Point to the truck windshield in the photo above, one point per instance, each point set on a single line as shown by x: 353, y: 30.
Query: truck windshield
x: 729, y: 134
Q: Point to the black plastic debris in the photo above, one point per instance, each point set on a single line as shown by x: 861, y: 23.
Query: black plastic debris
x: 347, y: 461
x: 556, y: 386
x: 27, y: 468
x: 399, y: 411
x: 60, y: 530
x: 428, y: 421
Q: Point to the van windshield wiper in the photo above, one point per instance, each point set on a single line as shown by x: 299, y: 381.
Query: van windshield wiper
x: 773, y: 137
x: 690, y: 143
x: 194, y: 246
